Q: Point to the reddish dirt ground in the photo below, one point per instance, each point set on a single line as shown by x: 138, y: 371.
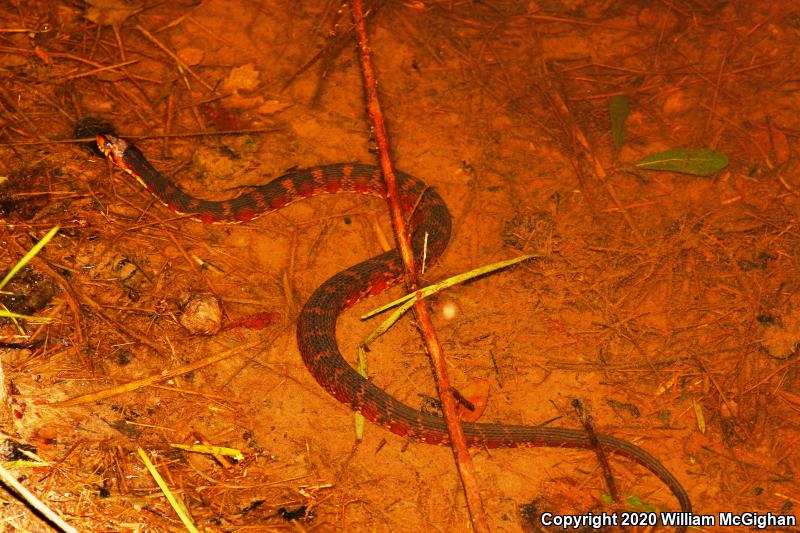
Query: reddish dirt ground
x: 666, y: 303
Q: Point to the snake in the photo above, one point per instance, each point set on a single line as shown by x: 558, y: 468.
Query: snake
x: 429, y: 224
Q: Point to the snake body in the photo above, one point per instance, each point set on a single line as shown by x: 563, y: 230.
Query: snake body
x: 316, y: 327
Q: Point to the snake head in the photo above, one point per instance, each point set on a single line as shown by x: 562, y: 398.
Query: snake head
x: 112, y: 147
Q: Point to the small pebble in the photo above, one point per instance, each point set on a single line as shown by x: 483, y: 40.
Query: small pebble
x: 449, y: 311
x: 202, y: 314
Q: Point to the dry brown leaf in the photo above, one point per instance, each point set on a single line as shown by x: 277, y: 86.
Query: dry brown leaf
x: 244, y: 77
x: 111, y: 12
x: 190, y: 55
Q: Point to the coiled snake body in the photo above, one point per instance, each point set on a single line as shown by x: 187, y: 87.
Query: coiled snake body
x: 316, y: 326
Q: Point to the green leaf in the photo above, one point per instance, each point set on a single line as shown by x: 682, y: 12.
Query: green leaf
x: 636, y: 503
x: 695, y: 161
x: 618, y: 108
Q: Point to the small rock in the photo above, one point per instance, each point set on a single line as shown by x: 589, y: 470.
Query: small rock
x: 202, y: 314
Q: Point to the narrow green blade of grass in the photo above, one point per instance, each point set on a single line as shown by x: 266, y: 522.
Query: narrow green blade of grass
x: 449, y: 282
x: 618, y: 109
x: 15, y: 316
x: 210, y: 450
x: 173, y: 501
x: 360, y: 421
x: 28, y: 256
x: 408, y: 300
x: 384, y: 326
x: 25, y: 463
x: 697, y: 161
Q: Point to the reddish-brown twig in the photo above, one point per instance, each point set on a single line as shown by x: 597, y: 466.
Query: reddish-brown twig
x: 585, y: 157
x: 588, y: 425
x: 459, y: 445
x: 174, y: 56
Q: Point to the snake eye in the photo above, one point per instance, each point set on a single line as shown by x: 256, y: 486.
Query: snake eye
x: 103, y: 144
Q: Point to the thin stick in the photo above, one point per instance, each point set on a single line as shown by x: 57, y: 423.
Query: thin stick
x: 588, y: 425
x: 34, y: 502
x: 99, y: 70
x: 463, y: 461
x: 153, y: 136
x: 156, y: 378
x: 130, y: 332
x: 586, y: 155
x: 174, y: 57
x: 334, y: 45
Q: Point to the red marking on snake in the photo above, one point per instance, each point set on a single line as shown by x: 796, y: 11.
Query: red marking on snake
x: 277, y: 201
x: 246, y: 214
x: 333, y: 184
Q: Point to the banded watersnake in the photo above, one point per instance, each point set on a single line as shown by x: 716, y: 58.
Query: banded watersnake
x: 316, y: 326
